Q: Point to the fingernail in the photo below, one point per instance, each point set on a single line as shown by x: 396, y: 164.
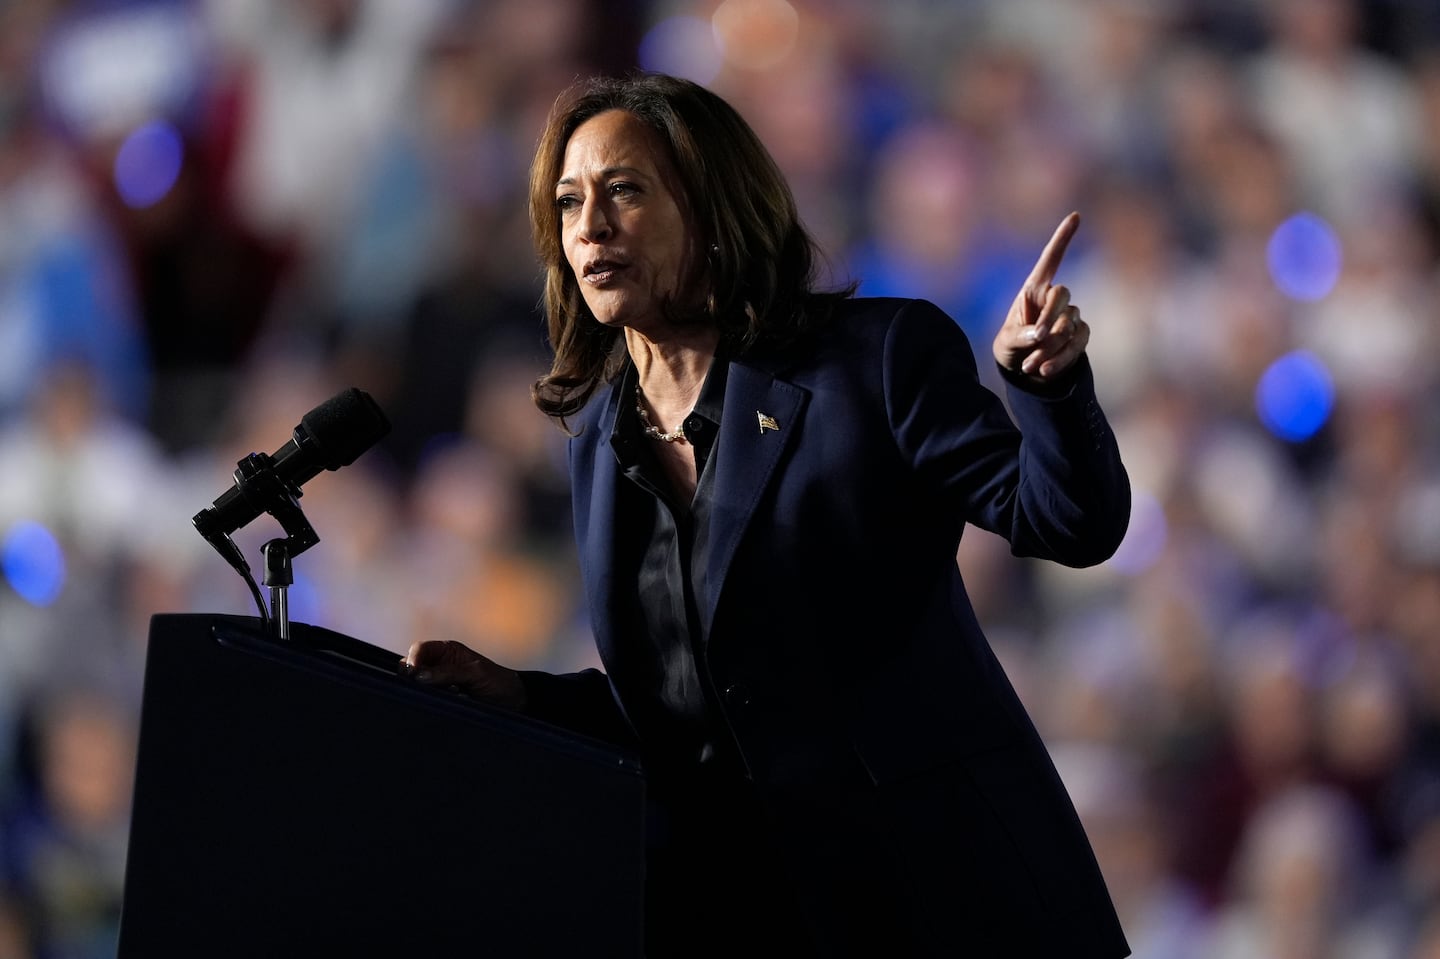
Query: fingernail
x: 1032, y: 334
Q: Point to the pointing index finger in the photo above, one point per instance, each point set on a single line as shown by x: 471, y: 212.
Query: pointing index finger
x: 1049, y: 262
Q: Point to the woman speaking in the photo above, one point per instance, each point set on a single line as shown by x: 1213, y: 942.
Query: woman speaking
x: 770, y: 483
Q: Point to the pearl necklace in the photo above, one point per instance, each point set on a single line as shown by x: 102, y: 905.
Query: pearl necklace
x: 650, y: 429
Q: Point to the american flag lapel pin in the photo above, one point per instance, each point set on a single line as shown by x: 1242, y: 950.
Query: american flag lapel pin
x: 767, y: 422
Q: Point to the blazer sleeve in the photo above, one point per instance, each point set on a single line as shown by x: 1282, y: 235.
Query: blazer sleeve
x: 1050, y: 480
x: 581, y: 702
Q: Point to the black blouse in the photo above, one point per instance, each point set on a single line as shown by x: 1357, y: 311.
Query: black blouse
x: 668, y: 693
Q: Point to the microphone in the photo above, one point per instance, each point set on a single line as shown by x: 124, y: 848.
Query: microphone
x: 328, y: 437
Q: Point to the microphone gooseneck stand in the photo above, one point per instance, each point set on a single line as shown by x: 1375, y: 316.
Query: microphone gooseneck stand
x: 258, y: 482
x: 279, y: 575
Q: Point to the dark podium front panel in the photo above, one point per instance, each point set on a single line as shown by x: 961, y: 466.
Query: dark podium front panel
x: 302, y: 799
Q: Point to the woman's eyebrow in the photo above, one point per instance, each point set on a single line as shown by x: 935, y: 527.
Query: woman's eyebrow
x: 605, y: 173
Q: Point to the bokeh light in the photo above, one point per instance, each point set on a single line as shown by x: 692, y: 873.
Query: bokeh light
x: 33, y: 562
x: 148, y: 164
x: 756, y: 34
x: 1305, y: 257
x: 1295, y: 396
x: 684, y: 47
x: 305, y: 600
x: 1145, y: 539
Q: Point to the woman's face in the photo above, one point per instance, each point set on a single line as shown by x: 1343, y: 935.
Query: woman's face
x: 622, y: 226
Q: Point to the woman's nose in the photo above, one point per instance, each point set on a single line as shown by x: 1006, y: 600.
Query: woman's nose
x: 594, y: 221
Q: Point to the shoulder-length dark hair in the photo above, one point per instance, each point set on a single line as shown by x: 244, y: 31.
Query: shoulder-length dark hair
x: 759, y: 271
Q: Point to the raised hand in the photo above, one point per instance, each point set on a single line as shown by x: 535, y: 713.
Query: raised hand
x: 1043, y: 334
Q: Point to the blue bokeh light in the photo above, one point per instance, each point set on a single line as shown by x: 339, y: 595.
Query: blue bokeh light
x: 148, y: 164
x: 33, y: 562
x: 683, y: 47
x: 1305, y: 257
x: 1145, y: 539
x: 1295, y: 396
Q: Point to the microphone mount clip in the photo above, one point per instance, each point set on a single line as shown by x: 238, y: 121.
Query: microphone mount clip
x: 258, y: 481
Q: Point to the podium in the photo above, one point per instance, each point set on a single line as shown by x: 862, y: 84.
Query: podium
x: 301, y: 798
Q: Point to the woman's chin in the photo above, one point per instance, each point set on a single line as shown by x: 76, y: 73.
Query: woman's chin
x: 611, y: 311
x: 613, y: 319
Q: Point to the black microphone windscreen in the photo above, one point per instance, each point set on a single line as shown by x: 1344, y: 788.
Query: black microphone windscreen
x: 344, y: 426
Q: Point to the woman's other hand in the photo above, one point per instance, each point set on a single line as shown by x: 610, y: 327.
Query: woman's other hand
x: 1043, y: 334
x: 448, y: 663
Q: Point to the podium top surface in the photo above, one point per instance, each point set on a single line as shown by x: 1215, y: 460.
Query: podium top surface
x: 353, y: 661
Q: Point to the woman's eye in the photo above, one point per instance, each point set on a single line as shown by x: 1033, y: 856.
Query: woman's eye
x: 567, y: 202
x: 622, y: 189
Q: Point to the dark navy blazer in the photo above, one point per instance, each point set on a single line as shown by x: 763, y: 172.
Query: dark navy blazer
x: 834, y: 621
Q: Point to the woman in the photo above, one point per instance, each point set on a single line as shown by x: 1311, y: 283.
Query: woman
x: 770, y: 483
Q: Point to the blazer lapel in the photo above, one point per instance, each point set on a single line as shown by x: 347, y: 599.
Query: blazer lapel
x: 761, y: 420
x: 596, y: 470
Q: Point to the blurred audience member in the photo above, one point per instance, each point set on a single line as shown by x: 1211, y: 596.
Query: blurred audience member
x: 1300, y: 886
x: 65, y: 840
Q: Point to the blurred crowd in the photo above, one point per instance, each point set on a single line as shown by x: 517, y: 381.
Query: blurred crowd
x: 214, y: 214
